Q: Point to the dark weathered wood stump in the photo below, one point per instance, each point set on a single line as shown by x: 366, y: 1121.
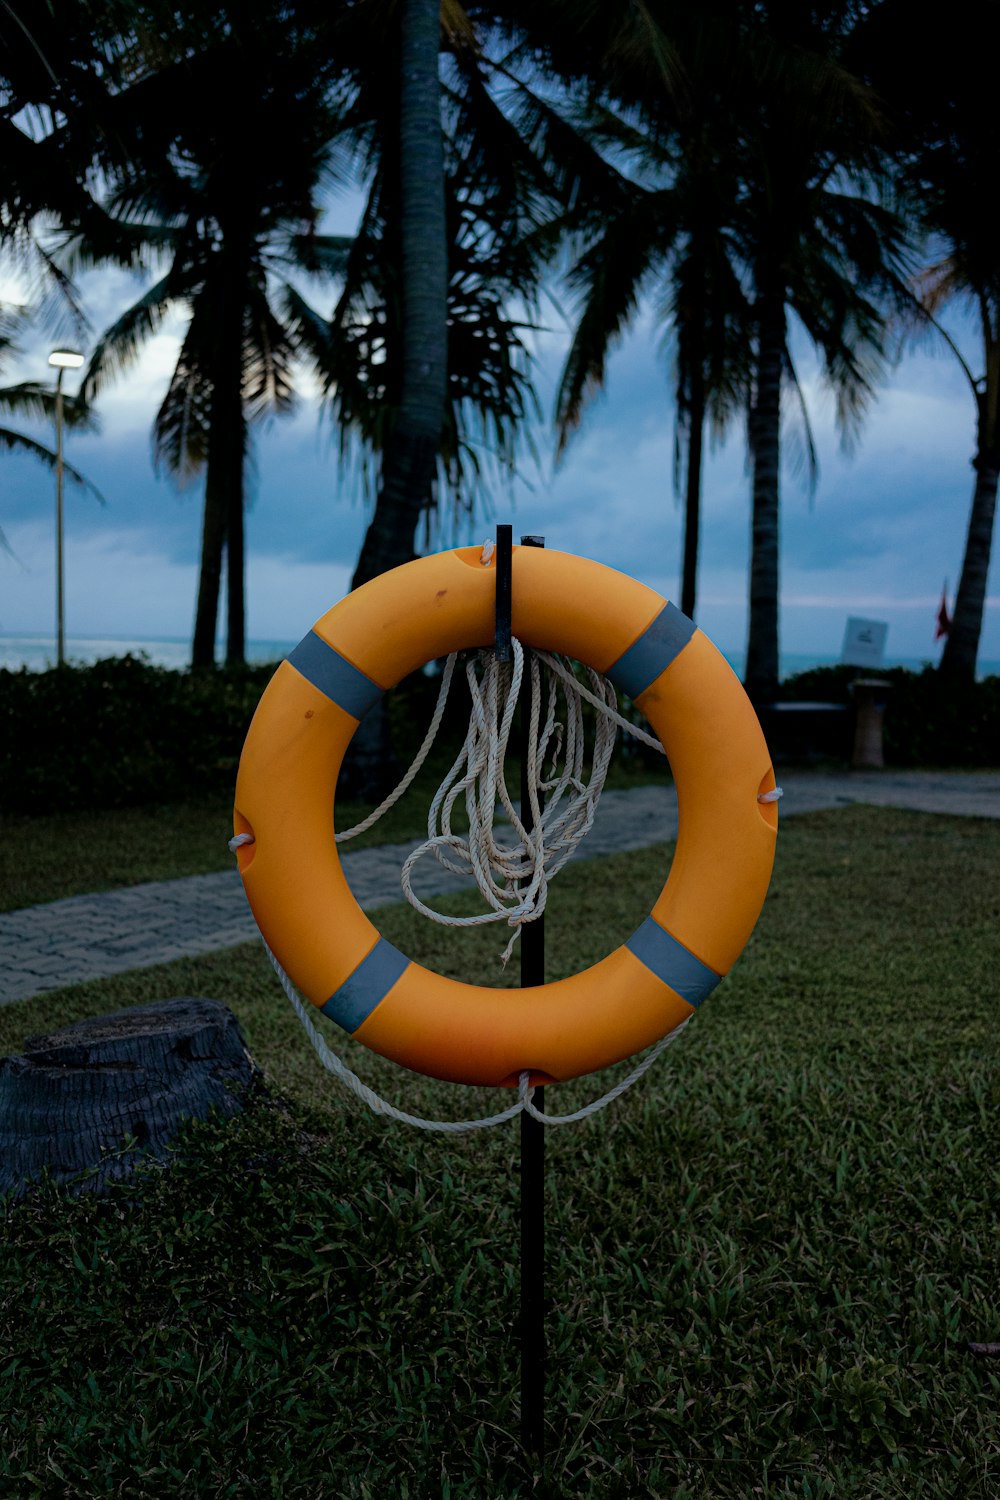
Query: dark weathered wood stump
x: 72, y: 1099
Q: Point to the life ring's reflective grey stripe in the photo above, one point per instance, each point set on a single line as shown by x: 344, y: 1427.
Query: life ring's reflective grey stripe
x: 653, y: 652
x: 341, y: 681
x: 670, y: 961
x: 368, y: 985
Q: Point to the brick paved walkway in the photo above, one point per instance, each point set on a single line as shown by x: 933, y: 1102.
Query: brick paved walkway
x: 92, y: 937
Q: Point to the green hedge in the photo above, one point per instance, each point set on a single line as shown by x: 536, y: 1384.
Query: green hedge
x: 928, y: 721
x: 120, y: 733
x: 124, y: 733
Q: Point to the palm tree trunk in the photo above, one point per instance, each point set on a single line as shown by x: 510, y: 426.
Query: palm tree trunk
x: 958, y: 660
x: 761, y: 676
x: 409, y: 463
x: 213, y: 539
x: 691, y: 401
x: 407, y: 475
x: 692, y: 497
x: 235, y: 438
x: 222, y: 528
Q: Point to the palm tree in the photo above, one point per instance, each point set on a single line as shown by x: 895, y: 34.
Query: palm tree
x: 973, y: 280
x: 732, y: 212
x: 820, y: 252
x: 410, y: 458
x: 233, y: 216
x: 456, y: 136
x: 750, y: 203
x: 670, y: 242
x: 420, y: 351
x: 359, y: 349
x: 961, y: 649
x: 940, y: 88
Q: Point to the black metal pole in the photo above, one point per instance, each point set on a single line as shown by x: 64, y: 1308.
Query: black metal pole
x: 503, y: 648
x: 532, y: 942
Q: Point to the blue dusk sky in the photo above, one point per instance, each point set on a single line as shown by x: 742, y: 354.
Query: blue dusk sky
x: 883, y: 531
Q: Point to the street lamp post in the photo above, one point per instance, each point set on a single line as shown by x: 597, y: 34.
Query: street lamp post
x: 62, y: 359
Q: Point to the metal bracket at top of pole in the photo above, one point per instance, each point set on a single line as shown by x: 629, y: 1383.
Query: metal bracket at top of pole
x: 504, y: 649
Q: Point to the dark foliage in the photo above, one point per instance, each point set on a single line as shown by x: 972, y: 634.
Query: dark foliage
x: 125, y: 733
x: 929, y: 721
x: 120, y: 733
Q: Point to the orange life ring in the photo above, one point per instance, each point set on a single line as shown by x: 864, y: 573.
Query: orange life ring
x: 467, y: 1033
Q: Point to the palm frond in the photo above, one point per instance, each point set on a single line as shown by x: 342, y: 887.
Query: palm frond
x: 608, y: 279
x: 121, y: 344
x: 321, y: 255
x: 19, y: 442
x: 268, y: 353
x: 848, y: 327
x: 556, y: 134
x: 804, y: 440
x: 309, y: 328
x: 33, y: 400
x: 104, y: 240
x: 940, y: 283
x: 183, y: 423
x: 651, y: 46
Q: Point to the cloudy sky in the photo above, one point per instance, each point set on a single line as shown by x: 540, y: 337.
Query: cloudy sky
x: 885, y: 529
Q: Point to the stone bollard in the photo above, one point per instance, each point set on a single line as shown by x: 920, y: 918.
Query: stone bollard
x: 869, y: 694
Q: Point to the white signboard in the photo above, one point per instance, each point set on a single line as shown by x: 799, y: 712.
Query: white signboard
x: 864, y: 642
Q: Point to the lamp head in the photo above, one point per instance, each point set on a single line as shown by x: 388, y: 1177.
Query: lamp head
x: 66, y: 359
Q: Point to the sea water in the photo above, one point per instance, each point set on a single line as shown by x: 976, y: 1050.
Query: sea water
x: 38, y: 653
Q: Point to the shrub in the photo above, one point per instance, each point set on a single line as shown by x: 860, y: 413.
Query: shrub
x: 125, y: 733
x: 928, y: 720
x: 120, y: 733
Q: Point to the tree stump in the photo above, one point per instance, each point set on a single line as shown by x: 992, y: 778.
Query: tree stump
x: 76, y: 1095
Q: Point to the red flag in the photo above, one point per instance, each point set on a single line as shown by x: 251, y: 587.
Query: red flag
x: 943, y: 617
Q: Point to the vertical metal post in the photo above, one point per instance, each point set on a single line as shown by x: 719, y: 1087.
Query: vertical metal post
x: 503, y: 649
x: 532, y: 941
x: 60, y: 591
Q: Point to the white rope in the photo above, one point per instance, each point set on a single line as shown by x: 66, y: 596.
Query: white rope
x: 605, y: 706
x: 513, y: 877
x: 375, y: 1102
x: 418, y: 760
x: 605, y: 1099
x: 379, y: 1106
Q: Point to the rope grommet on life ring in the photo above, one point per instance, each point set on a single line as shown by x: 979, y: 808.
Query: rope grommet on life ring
x: 476, y: 1034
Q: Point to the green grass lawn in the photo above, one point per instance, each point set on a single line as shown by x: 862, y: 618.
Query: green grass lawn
x: 765, y: 1263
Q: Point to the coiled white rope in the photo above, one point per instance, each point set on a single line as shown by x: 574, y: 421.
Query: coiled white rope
x: 513, y: 877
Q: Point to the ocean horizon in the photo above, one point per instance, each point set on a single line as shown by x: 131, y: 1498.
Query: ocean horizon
x: 37, y: 653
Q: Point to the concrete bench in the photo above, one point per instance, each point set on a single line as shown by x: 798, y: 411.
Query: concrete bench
x: 812, y: 730
x: 807, y: 730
